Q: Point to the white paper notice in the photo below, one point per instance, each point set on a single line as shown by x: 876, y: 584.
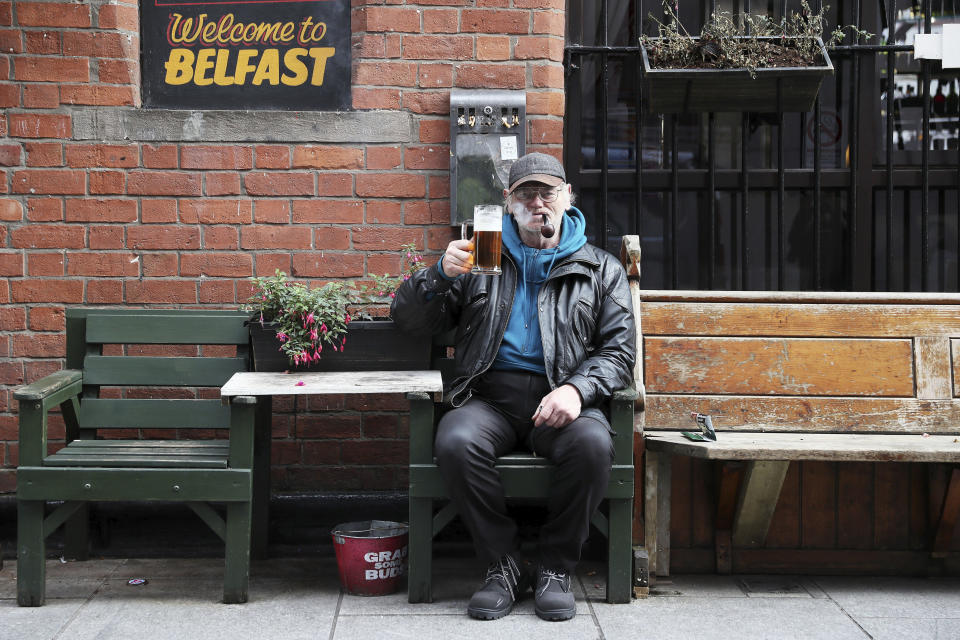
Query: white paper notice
x: 951, y: 46
x: 926, y: 46
x: 508, y: 148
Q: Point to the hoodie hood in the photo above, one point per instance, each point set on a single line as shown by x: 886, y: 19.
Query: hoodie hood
x: 522, y: 348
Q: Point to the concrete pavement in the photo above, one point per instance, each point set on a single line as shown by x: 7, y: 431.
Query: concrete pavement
x: 293, y: 598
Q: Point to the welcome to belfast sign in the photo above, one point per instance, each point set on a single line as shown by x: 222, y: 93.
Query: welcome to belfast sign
x: 255, y: 54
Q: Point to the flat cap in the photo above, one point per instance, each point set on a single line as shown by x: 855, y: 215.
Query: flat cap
x: 537, y: 167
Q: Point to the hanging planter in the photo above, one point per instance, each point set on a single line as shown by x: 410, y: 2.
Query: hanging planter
x: 763, y: 90
x: 371, y: 345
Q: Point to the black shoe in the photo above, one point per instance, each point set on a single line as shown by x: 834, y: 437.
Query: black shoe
x: 504, y: 583
x: 553, y: 598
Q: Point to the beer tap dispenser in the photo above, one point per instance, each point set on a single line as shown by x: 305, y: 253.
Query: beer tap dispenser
x: 547, y: 230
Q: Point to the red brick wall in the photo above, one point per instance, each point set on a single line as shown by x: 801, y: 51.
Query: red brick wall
x: 202, y: 216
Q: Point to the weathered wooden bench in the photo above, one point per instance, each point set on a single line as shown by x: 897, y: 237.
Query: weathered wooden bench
x: 793, y: 376
x: 128, y: 413
x: 525, y: 477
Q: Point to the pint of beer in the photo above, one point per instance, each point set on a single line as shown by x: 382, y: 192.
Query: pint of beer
x: 487, y: 226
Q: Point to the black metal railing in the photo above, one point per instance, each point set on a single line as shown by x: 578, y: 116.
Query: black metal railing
x: 826, y: 200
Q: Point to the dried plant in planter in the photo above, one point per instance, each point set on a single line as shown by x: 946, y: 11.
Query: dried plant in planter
x: 739, y: 62
x: 742, y: 41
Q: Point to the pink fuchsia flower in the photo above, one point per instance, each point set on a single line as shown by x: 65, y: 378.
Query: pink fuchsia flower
x: 316, y: 354
x: 300, y: 383
x: 323, y: 327
x: 310, y: 318
x: 281, y: 336
x: 393, y: 295
x: 313, y: 334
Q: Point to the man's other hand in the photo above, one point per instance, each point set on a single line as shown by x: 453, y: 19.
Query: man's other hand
x: 558, y: 408
x: 457, y: 259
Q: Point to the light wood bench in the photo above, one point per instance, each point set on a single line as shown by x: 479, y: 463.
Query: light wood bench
x: 793, y: 376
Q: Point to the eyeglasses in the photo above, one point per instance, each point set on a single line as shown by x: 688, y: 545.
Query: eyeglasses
x: 527, y: 194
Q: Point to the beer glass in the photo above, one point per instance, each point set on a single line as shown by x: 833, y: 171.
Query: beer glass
x: 487, y: 226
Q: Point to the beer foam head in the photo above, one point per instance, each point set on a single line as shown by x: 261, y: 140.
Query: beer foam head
x: 487, y: 217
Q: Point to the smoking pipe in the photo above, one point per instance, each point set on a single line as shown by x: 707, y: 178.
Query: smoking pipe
x: 547, y: 230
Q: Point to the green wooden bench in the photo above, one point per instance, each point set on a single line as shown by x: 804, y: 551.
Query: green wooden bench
x: 525, y: 477
x: 109, y: 412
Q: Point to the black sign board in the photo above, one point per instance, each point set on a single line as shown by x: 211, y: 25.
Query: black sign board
x: 255, y: 54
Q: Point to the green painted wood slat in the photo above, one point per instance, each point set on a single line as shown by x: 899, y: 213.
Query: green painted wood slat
x: 65, y: 483
x: 160, y: 371
x: 518, y: 481
x: 100, y: 413
x: 138, y: 461
x: 152, y: 444
x: 146, y: 451
x: 174, y: 328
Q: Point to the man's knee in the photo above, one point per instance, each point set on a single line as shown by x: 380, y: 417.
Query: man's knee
x: 456, y: 442
x: 449, y: 444
x: 590, y: 442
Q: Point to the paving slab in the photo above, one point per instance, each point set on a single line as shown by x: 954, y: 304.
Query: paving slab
x: 725, y: 618
x: 420, y: 627
x: 36, y: 623
x: 773, y: 587
x: 894, y: 597
x: 64, y: 579
x: 174, y: 609
x: 922, y: 629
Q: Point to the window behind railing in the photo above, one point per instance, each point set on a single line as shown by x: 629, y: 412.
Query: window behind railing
x: 859, y: 194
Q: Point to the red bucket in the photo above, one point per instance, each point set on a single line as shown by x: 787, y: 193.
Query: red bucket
x: 371, y: 556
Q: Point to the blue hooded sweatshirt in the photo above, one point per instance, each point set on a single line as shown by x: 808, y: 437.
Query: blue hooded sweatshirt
x: 522, y: 348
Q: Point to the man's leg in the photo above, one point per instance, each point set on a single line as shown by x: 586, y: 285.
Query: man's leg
x: 469, y: 440
x: 583, y: 454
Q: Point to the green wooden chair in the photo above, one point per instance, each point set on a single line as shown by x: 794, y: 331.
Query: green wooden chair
x: 525, y: 476
x: 123, y: 465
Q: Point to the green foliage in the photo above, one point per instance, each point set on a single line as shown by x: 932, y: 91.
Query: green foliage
x: 308, y: 319
x: 385, y: 285
x: 742, y: 40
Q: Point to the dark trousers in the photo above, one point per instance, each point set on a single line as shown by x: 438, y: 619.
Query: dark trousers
x: 497, y: 420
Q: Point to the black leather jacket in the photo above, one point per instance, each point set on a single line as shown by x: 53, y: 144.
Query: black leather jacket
x: 586, y: 321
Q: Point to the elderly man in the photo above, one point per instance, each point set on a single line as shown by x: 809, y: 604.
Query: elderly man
x: 539, y: 350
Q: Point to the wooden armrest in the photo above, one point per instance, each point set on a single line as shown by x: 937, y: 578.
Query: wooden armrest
x: 48, y: 385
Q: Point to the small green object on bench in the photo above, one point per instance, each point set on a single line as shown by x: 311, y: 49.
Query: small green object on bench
x: 123, y: 465
x: 525, y: 476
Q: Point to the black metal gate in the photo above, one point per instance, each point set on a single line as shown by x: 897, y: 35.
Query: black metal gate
x: 859, y: 194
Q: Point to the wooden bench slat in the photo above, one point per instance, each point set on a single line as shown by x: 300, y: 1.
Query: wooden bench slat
x: 810, y: 414
x: 812, y: 446
x: 826, y: 319
x: 778, y: 366
x: 172, y: 328
x: 139, y: 461
x: 160, y: 371
x: 101, y: 413
x: 151, y: 444
x: 212, y: 454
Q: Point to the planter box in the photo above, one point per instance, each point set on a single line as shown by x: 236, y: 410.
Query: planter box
x: 702, y: 90
x: 372, y: 345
